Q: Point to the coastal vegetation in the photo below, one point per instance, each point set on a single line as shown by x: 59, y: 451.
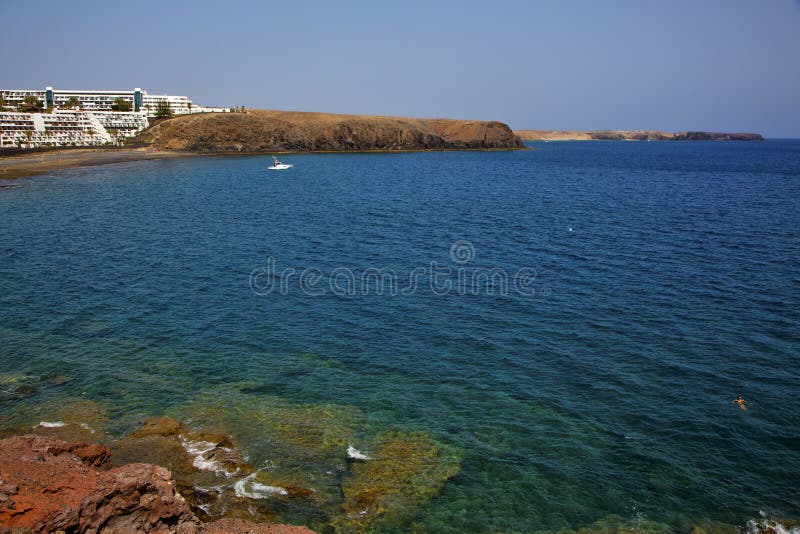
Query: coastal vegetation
x: 163, y: 109
x: 120, y: 104
x: 31, y: 104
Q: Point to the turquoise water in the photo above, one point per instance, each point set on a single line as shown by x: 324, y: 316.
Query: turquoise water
x: 655, y: 282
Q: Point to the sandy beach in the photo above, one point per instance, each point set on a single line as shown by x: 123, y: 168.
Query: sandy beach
x: 23, y: 165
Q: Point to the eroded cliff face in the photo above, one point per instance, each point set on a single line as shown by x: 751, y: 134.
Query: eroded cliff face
x: 269, y: 131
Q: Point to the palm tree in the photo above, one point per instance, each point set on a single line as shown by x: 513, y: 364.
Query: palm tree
x: 163, y: 109
x: 120, y: 104
x: 31, y: 104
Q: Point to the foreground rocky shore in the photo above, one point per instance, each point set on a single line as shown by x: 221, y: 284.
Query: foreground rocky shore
x: 271, y: 131
x: 632, y: 135
x: 49, y: 485
x: 289, y: 462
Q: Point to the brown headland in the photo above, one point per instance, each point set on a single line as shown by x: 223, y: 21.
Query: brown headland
x: 264, y: 131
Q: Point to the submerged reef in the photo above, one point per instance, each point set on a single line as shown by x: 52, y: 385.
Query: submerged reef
x: 75, y: 420
x: 403, y: 470
x: 304, y: 459
x: 14, y: 386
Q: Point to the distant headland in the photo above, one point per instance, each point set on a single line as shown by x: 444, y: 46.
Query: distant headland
x: 632, y: 135
x: 263, y: 131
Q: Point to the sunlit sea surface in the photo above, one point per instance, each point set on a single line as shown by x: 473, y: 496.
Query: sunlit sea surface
x: 567, y: 326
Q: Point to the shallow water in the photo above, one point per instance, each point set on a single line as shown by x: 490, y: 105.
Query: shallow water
x: 660, y: 281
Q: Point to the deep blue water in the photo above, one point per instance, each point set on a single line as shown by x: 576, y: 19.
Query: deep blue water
x: 666, y: 283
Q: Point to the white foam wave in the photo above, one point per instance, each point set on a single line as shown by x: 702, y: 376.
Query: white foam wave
x: 251, y: 488
x: 199, y: 449
x: 765, y: 524
x: 355, y: 454
x: 51, y: 424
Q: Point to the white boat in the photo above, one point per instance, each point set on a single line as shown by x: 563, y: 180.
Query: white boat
x: 278, y: 166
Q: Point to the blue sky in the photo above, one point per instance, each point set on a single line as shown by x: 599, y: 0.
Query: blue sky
x: 724, y: 65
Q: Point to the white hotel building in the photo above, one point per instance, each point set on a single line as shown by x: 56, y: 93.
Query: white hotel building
x: 93, y: 122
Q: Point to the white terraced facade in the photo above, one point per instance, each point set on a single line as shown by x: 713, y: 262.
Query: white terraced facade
x: 180, y: 105
x: 13, y: 98
x: 121, y: 125
x: 138, y: 99
x: 90, y: 100
x: 68, y: 128
x: 94, y: 122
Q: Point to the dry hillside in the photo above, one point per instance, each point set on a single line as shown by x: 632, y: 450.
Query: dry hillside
x: 268, y: 131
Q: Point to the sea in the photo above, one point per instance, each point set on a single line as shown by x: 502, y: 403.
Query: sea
x: 542, y: 340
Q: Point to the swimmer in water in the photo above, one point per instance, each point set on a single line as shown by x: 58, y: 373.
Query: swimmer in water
x: 740, y: 401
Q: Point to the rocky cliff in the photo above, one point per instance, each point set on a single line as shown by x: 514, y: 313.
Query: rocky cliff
x: 271, y: 131
x: 632, y: 135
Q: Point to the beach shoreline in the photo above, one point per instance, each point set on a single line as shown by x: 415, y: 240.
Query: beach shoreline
x: 35, y: 163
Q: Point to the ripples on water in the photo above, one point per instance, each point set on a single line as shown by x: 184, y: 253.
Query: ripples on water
x: 667, y: 283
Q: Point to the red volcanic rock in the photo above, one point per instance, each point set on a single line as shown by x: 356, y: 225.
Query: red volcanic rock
x: 131, y: 498
x: 88, y: 453
x: 50, y: 485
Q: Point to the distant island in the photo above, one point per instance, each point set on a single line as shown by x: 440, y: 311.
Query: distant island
x: 263, y: 131
x: 632, y: 135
